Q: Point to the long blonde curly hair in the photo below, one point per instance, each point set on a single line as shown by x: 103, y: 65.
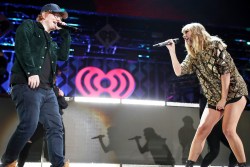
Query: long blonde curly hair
x: 200, y: 38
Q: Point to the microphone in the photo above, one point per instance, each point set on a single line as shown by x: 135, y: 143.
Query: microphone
x: 97, y: 137
x: 74, y: 29
x: 176, y: 40
x: 135, y: 138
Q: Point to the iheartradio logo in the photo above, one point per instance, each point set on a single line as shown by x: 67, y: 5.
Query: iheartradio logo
x: 93, y: 82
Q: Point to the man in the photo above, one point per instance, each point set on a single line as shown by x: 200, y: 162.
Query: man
x: 32, y: 84
x: 39, y: 133
x: 3, y: 71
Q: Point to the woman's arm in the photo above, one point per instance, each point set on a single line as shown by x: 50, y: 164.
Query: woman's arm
x: 223, y: 63
x: 175, y: 62
x: 225, y: 82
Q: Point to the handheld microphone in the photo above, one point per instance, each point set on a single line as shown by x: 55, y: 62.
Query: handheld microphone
x: 135, y: 138
x: 74, y: 29
x: 176, y: 40
x: 97, y: 137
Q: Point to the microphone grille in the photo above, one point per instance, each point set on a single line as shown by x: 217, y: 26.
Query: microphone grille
x: 176, y: 40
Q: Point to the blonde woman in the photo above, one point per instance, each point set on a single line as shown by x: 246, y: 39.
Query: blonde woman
x: 223, y: 86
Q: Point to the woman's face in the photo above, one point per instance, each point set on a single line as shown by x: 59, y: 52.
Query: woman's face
x: 187, y: 37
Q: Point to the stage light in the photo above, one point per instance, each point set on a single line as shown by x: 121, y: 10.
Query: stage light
x: 143, y: 102
x: 239, y: 40
x: 177, y: 104
x: 144, y: 56
x: 15, y: 19
x: 74, y: 25
x: 119, y: 101
x: 97, y: 100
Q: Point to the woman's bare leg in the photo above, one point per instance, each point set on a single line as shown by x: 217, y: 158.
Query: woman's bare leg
x: 209, y: 118
x: 231, y: 118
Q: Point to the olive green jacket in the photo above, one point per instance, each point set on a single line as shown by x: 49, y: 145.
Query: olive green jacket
x: 31, y: 48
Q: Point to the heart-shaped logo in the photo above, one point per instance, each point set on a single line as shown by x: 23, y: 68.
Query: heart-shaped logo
x: 92, y: 81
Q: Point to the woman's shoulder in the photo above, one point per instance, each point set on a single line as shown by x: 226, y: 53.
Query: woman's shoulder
x: 216, y: 42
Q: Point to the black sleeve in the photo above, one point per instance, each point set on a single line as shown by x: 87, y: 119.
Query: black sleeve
x: 62, y: 102
x: 60, y: 99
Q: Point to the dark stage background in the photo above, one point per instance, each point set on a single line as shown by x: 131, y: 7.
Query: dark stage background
x: 119, y: 35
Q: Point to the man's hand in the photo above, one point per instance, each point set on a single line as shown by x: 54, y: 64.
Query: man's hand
x: 60, y: 92
x: 33, y: 81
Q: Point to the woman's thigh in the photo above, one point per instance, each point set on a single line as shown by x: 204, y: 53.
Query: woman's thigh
x: 209, y: 118
x: 233, y: 112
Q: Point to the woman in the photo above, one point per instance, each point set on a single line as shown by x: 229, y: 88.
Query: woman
x: 223, y: 86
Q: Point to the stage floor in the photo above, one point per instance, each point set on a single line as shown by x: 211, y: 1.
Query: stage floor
x: 47, y: 164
